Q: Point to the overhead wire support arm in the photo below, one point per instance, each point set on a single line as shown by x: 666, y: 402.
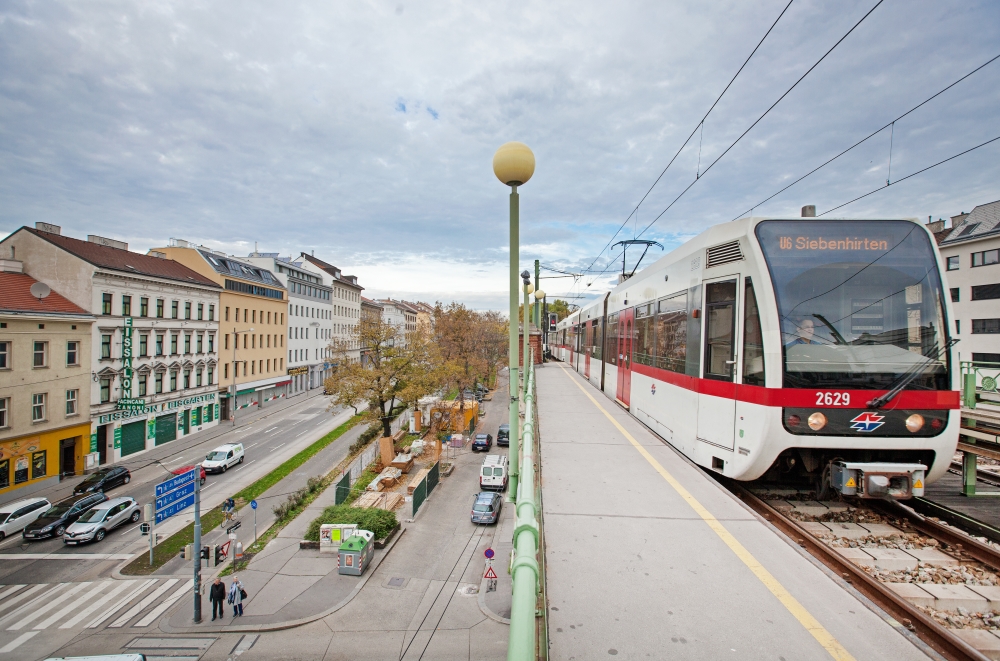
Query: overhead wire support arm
x: 632, y: 242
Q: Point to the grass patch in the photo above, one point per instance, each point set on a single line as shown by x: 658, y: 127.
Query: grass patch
x: 359, y: 487
x: 171, y: 546
x: 380, y: 522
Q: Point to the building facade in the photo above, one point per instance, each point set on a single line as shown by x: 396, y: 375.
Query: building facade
x: 370, y: 309
x: 310, y: 320
x: 44, y: 385
x: 153, y: 346
x: 400, y: 314
x: 346, y: 304
x: 970, y: 249
x: 253, y: 325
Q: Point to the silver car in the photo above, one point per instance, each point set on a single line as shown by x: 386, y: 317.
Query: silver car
x: 96, y: 523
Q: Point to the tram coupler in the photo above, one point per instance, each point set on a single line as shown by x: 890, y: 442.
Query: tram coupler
x: 878, y: 479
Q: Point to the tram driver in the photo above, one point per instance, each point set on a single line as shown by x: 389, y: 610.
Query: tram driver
x: 805, y: 330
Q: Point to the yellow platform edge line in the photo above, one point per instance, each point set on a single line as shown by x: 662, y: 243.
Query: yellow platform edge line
x: 798, y: 611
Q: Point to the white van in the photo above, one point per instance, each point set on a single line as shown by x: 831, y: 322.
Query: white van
x: 223, y: 457
x: 493, y: 474
x: 15, y: 516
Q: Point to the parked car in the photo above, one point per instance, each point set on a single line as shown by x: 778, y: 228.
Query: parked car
x: 185, y: 469
x: 54, y: 521
x: 503, y: 436
x: 493, y: 474
x: 15, y: 516
x: 486, y: 507
x: 104, y: 479
x: 223, y: 457
x: 98, y: 521
x: 483, y: 442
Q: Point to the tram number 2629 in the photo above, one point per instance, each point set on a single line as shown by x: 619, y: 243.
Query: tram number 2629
x: 833, y: 399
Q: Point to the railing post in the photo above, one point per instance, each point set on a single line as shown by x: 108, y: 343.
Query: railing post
x: 968, y: 474
x: 968, y: 385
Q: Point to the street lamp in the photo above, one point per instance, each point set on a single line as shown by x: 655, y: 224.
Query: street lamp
x: 236, y: 340
x: 526, y: 328
x: 513, y: 164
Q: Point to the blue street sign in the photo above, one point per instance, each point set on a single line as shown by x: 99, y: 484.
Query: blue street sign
x: 488, y: 553
x: 175, y: 507
x: 253, y: 504
x: 173, y: 496
x: 174, y: 482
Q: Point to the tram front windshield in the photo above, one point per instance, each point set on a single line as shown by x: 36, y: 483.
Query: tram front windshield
x: 859, y: 303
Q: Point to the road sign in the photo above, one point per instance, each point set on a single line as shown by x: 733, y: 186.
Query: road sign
x: 174, y: 482
x: 488, y: 553
x: 490, y: 574
x: 235, y: 526
x: 173, y: 496
x: 144, y: 528
x: 175, y: 507
x: 253, y: 504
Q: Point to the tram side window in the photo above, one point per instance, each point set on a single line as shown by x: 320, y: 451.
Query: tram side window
x: 671, y: 333
x: 588, y: 338
x: 597, y: 344
x: 753, y: 342
x: 644, y: 351
x: 611, y: 340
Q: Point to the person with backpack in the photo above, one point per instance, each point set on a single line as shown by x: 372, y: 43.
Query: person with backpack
x: 217, y: 595
x: 236, y: 596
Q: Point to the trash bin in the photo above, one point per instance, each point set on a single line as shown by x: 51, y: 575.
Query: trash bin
x: 356, y: 552
x: 332, y: 535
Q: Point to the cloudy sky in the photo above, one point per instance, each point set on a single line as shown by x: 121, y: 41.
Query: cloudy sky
x: 365, y: 130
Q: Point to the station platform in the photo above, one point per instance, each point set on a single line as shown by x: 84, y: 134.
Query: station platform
x: 648, y: 557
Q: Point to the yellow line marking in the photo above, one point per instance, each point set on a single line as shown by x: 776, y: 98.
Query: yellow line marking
x: 798, y: 611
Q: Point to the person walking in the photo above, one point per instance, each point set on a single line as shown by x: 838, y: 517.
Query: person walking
x: 217, y: 595
x: 236, y: 596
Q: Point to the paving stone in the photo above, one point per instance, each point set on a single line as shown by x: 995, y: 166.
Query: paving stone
x: 990, y: 592
x: 814, y: 528
x: 934, y: 557
x: 882, y: 529
x: 809, y: 508
x: 780, y: 505
x: 848, y: 530
x: 892, y: 559
x: 982, y: 640
x: 857, y: 556
x: 913, y: 593
x: 833, y: 505
x: 950, y: 597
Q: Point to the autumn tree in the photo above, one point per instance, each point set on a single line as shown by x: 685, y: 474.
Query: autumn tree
x: 470, y: 344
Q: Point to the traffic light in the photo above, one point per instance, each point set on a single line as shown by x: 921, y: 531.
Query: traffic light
x: 218, y: 555
x: 187, y: 553
x: 553, y: 321
x: 205, y: 553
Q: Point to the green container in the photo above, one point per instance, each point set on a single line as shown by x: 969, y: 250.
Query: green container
x: 356, y: 552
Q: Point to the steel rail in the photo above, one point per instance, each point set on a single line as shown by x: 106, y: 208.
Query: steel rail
x: 924, y: 626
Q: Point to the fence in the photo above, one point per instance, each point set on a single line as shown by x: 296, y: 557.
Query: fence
x: 353, y: 472
x: 433, y: 477
x: 978, y: 378
x: 426, y: 486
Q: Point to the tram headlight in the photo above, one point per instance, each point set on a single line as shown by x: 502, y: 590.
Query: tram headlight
x: 915, y: 423
x: 817, y: 421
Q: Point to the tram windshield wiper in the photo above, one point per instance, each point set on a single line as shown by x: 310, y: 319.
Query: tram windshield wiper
x: 907, y: 377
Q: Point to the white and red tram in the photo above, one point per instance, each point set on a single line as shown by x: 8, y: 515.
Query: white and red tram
x: 803, y: 348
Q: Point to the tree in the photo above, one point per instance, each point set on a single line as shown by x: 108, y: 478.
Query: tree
x: 561, y: 308
x: 399, y: 369
x: 469, y: 344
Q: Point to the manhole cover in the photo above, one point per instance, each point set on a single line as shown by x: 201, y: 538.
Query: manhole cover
x: 468, y: 590
x: 396, y: 582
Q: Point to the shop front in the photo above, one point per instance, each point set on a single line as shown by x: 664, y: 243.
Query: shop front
x: 256, y: 394
x: 30, y: 462
x: 142, y: 428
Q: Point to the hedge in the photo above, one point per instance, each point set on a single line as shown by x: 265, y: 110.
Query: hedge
x: 380, y: 522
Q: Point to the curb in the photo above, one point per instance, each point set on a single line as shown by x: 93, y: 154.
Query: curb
x: 486, y: 609
x: 291, y: 624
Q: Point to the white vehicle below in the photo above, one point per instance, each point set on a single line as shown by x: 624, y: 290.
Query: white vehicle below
x: 223, y: 458
x: 493, y: 474
x: 15, y: 516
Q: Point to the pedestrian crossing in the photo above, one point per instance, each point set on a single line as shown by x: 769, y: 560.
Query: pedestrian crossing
x: 88, y: 604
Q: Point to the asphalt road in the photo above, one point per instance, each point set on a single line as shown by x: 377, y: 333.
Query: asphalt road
x: 268, y: 438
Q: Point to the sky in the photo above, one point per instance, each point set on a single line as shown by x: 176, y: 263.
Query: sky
x: 364, y: 131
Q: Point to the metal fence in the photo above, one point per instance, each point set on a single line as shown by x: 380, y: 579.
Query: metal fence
x: 343, y: 489
x: 978, y: 378
x: 419, y: 495
x: 433, y: 477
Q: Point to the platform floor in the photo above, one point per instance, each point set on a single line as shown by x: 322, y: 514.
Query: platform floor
x: 647, y: 557
x: 948, y: 492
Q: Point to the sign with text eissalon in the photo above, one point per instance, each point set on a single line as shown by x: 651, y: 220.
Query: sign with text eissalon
x: 127, y: 358
x: 155, y: 408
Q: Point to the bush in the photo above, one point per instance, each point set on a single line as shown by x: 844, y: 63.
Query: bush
x: 378, y: 521
x: 294, y: 500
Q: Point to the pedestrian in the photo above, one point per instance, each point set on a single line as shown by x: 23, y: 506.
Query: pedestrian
x: 236, y: 596
x: 217, y: 595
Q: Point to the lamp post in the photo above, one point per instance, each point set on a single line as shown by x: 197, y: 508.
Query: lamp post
x: 539, y: 296
x: 236, y: 340
x: 526, y: 330
x: 513, y: 164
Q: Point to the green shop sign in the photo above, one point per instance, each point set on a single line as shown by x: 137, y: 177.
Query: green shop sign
x: 127, y: 359
x: 118, y: 437
x: 131, y: 404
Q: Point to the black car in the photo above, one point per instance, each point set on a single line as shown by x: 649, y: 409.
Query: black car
x: 503, y: 436
x: 483, y: 442
x: 104, y: 479
x: 486, y: 507
x: 53, y: 521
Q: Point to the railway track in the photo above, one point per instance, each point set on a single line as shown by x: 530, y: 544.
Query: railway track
x: 971, y: 554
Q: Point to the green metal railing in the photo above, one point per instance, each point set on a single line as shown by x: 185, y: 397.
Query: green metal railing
x: 525, y: 572
x: 978, y: 378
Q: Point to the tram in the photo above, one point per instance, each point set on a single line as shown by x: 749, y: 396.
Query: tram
x: 786, y: 350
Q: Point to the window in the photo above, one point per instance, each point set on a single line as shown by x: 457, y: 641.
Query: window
x: 143, y: 379
x: 159, y: 344
x: 4, y: 415
x: 197, y: 378
x: 211, y: 312
x: 958, y: 327
x: 174, y: 307
x: 268, y: 364
x: 173, y: 381
x: 954, y: 294
x: 983, y: 292
x: 225, y: 371
x: 985, y: 326
x: 38, y: 465
x: 72, y: 396
x: 143, y: 307
x: 144, y: 344
x: 105, y: 303
x: 4, y: 355
x: 211, y: 343
x: 199, y: 341
x: 227, y: 313
x: 38, y: 407
x: 201, y: 311
x: 227, y: 340
x: 41, y: 354
x: 187, y: 379
x: 105, y: 390
x: 72, y: 353
x: 986, y: 257
x: 173, y: 344
x: 158, y: 382
x: 126, y: 306
x: 159, y: 308
x: 187, y: 342
x: 211, y: 376
x: 187, y: 310
x: 952, y: 263
x: 979, y: 358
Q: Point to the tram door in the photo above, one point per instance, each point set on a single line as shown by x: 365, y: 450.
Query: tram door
x: 717, y: 402
x: 588, y: 340
x: 626, y: 331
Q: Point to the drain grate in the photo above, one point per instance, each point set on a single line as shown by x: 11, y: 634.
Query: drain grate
x: 396, y: 582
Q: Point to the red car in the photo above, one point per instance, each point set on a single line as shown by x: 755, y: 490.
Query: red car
x: 185, y: 469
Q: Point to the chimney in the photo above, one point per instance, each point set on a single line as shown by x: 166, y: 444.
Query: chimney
x: 104, y: 241
x: 957, y: 221
x: 11, y: 266
x: 935, y: 226
x: 809, y: 211
x: 48, y: 227
x: 156, y: 253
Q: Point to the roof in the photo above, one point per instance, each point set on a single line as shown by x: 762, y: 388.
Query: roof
x: 115, y: 259
x: 350, y: 280
x: 17, y: 298
x: 982, y: 221
x: 237, y: 268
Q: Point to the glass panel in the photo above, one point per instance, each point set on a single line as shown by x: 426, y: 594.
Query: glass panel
x: 671, y: 333
x: 753, y: 342
x: 611, y: 341
x: 719, y: 329
x: 645, y: 346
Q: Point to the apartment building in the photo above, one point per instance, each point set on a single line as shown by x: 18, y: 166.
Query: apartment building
x: 400, y: 314
x: 44, y: 384
x: 253, y: 324
x: 153, y: 346
x: 310, y: 320
x: 346, y: 304
x: 370, y: 309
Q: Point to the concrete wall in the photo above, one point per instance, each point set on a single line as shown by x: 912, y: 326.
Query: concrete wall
x: 43, y: 261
